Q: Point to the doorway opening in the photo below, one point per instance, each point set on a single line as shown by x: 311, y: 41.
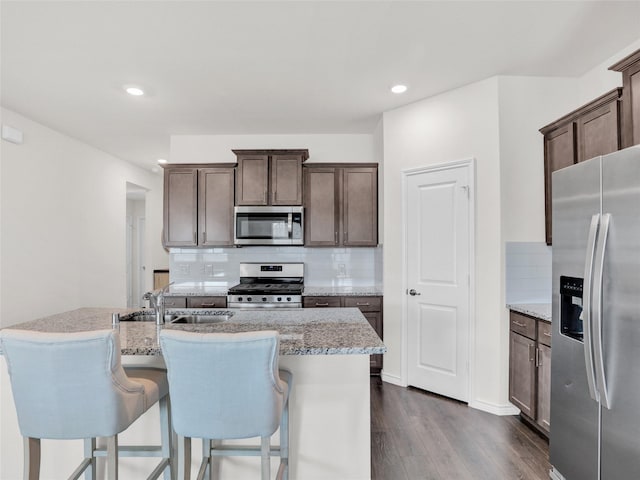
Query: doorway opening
x: 135, y: 241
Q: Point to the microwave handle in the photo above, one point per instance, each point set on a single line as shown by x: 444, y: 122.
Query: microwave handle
x: 290, y: 223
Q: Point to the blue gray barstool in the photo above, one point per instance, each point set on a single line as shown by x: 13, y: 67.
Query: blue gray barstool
x: 73, y: 386
x: 227, y: 386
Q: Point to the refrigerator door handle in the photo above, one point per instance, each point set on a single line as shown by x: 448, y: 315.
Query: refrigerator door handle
x: 596, y: 311
x: 586, y: 307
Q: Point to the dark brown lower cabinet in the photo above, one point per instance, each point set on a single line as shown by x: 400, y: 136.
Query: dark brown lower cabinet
x: 207, y: 302
x: 530, y: 369
x: 371, y: 308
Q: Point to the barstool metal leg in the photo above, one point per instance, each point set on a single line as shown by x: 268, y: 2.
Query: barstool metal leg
x: 166, y: 436
x: 89, y: 449
x: 112, y: 457
x: 265, y: 453
x: 183, y: 449
x: 284, y: 443
x: 31, y: 458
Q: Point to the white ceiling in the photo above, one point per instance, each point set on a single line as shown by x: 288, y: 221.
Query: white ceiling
x: 239, y: 67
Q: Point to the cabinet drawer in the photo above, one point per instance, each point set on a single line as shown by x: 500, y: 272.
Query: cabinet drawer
x: 544, y: 333
x: 523, y: 325
x: 320, y: 302
x: 207, y: 302
x: 365, y: 304
x: 175, y: 302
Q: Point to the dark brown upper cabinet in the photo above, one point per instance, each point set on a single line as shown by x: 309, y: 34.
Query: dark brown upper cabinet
x: 269, y: 177
x: 630, y: 68
x: 592, y: 130
x: 198, y: 206
x: 341, y: 205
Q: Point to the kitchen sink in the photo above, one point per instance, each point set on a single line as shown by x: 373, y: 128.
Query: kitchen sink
x: 223, y: 316
x: 209, y: 317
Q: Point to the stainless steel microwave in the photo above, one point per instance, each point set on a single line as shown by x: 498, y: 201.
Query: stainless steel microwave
x: 268, y: 226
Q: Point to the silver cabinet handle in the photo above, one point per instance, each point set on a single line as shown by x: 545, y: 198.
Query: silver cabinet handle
x: 362, y: 304
x: 586, y: 308
x: 546, y: 334
x: 538, y: 360
x: 211, y: 305
x: 519, y: 324
x: 413, y: 293
x: 336, y: 237
x: 322, y: 304
x: 596, y: 311
x: 531, y: 352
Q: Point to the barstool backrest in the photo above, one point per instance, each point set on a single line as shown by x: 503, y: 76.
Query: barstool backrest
x: 70, y: 385
x: 224, y: 385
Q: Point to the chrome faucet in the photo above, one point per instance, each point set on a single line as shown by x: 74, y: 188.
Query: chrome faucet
x: 156, y: 300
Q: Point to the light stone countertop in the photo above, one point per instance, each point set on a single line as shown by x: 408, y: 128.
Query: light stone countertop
x: 311, y: 331
x: 196, y: 291
x: 368, y: 291
x: 538, y: 310
x: 309, y: 291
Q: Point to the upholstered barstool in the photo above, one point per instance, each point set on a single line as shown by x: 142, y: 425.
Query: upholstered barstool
x: 227, y: 386
x: 73, y: 386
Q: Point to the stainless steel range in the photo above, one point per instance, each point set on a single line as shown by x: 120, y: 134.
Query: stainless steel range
x: 268, y: 285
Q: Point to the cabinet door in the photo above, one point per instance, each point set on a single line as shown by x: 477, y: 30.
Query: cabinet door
x: 175, y: 302
x: 321, y: 207
x: 522, y: 373
x: 215, y: 206
x: 321, y: 302
x: 286, y: 180
x: 544, y: 387
x: 599, y: 132
x: 180, y: 207
x: 365, y: 304
x: 559, y: 152
x: 375, y: 319
x: 360, y: 207
x: 631, y: 79
x: 207, y: 302
x: 252, y: 182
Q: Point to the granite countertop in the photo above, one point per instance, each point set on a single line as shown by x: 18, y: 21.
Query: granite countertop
x: 538, y: 310
x: 326, y: 331
x: 309, y: 291
x: 369, y: 291
x: 196, y: 291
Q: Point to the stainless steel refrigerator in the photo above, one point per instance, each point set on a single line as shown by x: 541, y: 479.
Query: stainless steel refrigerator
x: 595, y: 365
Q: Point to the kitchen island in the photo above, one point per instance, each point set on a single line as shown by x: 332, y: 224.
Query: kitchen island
x: 326, y: 350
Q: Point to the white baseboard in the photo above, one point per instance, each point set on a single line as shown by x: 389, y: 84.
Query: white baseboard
x: 393, y: 379
x: 555, y: 475
x: 506, y: 409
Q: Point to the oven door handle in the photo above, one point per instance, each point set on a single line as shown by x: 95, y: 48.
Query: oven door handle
x: 290, y: 223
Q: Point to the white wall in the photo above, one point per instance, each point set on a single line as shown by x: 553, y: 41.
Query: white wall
x: 599, y: 80
x: 322, y: 147
x: 456, y: 125
x: 63, y: 224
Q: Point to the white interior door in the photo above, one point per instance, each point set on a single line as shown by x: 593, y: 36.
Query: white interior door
x: 438, y: 276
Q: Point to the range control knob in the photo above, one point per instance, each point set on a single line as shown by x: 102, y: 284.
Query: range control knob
x: 239, y: 299
x: 264, y: 299
x: 279, y: 299
x: 248, y: 299
x: 288, y: 299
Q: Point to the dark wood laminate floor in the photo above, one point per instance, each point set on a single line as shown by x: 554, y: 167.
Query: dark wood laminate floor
x: 416, y: 435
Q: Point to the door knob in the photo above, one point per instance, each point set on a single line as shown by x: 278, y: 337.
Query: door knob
x: 413, y: 293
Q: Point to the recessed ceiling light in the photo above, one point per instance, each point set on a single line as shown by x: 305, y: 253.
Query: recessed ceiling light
x: 162, y: 160
x: 399, y: 88
x: 135, y: 91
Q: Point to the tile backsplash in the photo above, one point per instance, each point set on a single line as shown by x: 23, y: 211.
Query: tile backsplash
x: 528, y: 272
x: 323, y: 266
